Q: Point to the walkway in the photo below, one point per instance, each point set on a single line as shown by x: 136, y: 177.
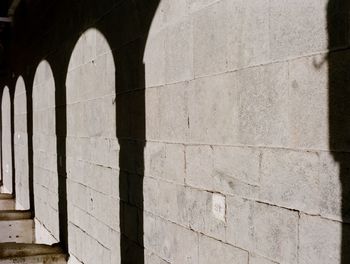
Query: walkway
x: 17, y: 239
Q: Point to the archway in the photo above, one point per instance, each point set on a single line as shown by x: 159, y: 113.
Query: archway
x: 6, y: 141
x: 92, y: 153
x: 45, y: 156
x: 21, y: 146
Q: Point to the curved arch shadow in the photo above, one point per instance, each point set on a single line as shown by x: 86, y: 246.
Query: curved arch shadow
x: 125, y: 26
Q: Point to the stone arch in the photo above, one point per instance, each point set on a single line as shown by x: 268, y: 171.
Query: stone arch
x: 45, y: 156
x: 6, y: 141
x: 92, y: 152
x: 21, y: 146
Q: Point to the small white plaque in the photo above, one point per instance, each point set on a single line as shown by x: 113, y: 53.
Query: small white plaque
x: 219, y: 206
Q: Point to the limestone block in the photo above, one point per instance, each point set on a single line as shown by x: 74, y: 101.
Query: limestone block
x: 210, y: 39
x: 96, y: 206
x: 179, y: 52
x: 152, y: 111
x: 195, y: 5
x: 115, y: 248
x: 77, y: 194
x: 172, y: 202
x: 174, y: 163
x: 256, y: 259
x: 241, y: 164
x: 308, y: 92
x: 290, y: 179
x: 269, y: 231
x: 199, y: 167
x: 154, y: 259
x: 154, y: 154
x: 263, y: 114
x: 155, y: 59
x: 90, y: 250
x: 175, y: 11
x: 42, y: 235
x: 177, y: 244
x: 150, y: 195
x: 91, y: 225
x: 205, y: 214
x: 248, y: 40
x: 213, y: 251
x: 213, y: 104
x: 320, y: 240
x: 173, y: 112
x: 289, y: 37
x: 151, y: 232
x: 333, y: 181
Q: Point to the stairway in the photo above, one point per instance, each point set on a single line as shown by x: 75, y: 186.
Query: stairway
x: 17, y: 239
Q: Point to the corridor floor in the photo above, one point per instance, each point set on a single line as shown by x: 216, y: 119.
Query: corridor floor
x: 17, y: 239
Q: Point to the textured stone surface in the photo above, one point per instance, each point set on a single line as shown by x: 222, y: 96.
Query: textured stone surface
x: 263, y: 97
x: 213, y: 251
x: 267, y: 230
x: 308, y: 91
x: 44, y: 155
x: 6, y: 141
x: 291, y: 179
x: 21, y: 146
x: 320, y: 240
x: 204, y: 131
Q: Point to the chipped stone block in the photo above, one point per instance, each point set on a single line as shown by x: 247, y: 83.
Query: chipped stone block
x: 290, y: 179
x: 177, y: 244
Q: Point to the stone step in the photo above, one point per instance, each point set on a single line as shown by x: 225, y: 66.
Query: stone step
x: 11, y: 253
x: 15, y: 215
x: 6, y: 196
x: 19, y: 231
x: 16, y: 226
x: 7, y: 202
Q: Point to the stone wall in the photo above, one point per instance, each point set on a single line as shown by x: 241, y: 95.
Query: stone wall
x: 21, y: 146
x: 6, y: 141
x: 44, y: 156
x: 207, y: 136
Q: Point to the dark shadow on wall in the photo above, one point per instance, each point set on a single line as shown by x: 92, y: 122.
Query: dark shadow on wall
x: 338, y: 19
x: 49, y: 30
x: 28, y: 84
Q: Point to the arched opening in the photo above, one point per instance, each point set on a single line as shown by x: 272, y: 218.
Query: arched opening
x: 92, y: 153
x: 6, y: 141
x: 45, y: 156
x: 21, y: 146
